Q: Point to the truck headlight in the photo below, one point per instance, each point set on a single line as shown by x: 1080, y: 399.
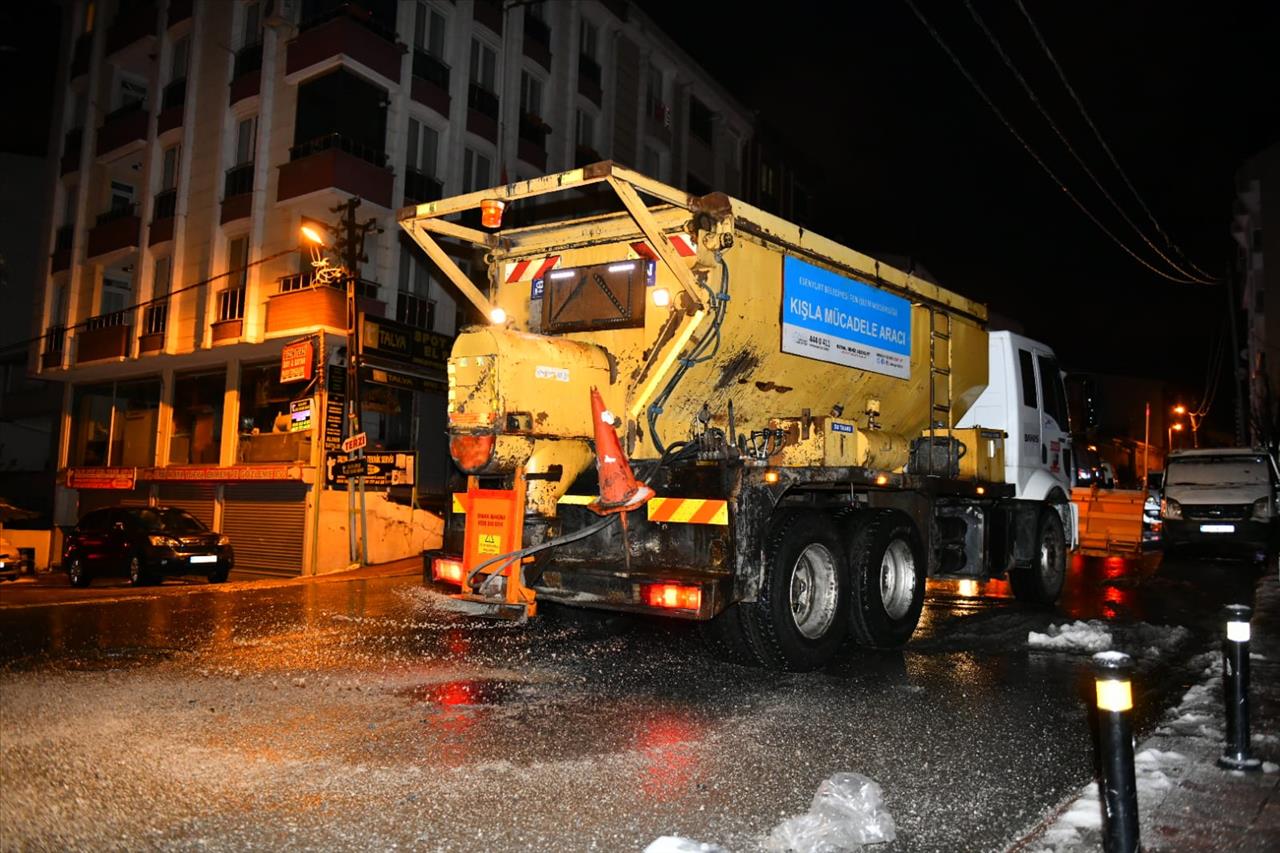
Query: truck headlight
x: 1262, y: 509
x: 1169, y: 508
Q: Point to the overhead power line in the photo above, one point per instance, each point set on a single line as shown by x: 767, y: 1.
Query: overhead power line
x: 1026, y: 87
x: 1105, y: 147
x: 1039, y: 161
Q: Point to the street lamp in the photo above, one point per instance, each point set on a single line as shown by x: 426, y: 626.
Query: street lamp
x: 1195, y: 417
x: 1172, y: 429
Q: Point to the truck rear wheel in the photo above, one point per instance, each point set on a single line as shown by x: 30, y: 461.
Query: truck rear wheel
x: 887, y: 572
x: 1041, y: 582
x: 801, y: 617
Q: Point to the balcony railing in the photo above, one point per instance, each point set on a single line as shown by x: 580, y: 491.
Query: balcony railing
x: 154, y: 318
x: 106, y: 321
x: 482, y: 101
x: 306, y: 280
x: 431, y: 69
x: 420, y: 187
x: 413, y: 310
x: 248, y: 60
x: 165, y: 204
x: 62, y: 239
x: 118, y: 211
x: 342, y: 143
x: 231, y: 304
x: 239, y: 180
x: 55, y: 339
x: 352, y: 11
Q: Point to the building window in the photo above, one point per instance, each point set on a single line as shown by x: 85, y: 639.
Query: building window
x: 386, y: 415
x: 585, y: 134
x: 652, y: 162
x: 114, y: 424
x: 700, y: 121
x: 131, y: 92
x: 246, y: 140
x: 484, y: 65
x: 424, y: 146
x: 251, y: 31
x: 530, y: 94
x: 588, y: 35
x: 197, y: 418
x: 238, y: 261
x: 163, y: 277
x: 655, y: 103
x: 264, y: 418
x: 169, y: 167
x: 180, y: 59
x: 413, y: 303
x: 475, y: 171
x: 429, y: 31
x: 115, y: 292
x: 341, y: 110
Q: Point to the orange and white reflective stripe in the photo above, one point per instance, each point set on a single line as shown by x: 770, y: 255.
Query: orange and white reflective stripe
x: 682, y: 243
x: 531, y: 268
x: 689, y: 511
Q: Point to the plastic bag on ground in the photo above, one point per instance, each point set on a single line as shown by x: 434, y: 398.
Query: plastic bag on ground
x: 847, y: 811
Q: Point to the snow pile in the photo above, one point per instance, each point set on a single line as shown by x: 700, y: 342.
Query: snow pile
x: 676, y: 844
x: 847, y: 811
x: 1086, y: 637
x: 1152, y: 641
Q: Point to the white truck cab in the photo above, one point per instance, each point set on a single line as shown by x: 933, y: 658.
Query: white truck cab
x: 1025, y: 397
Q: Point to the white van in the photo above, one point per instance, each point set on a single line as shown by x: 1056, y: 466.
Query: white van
x: 1223, y: 498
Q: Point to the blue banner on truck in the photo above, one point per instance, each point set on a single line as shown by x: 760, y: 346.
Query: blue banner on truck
x: 844, y: 321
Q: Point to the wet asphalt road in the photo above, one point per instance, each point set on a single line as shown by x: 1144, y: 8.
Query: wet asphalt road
x: 357, y: 715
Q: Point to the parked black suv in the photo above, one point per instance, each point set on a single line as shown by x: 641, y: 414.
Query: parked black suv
x: 145, y: 543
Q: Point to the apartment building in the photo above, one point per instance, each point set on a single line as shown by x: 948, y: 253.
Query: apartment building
x: 1255, y: 227
x: 202, y: 358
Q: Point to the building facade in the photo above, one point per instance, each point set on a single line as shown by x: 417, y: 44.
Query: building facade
x: 201, y: 358
x: 1256, y: 230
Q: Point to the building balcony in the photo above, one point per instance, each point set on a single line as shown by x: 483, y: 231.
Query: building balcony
x: 71, y: 146
x: 230, y: 323
x: 237, y: 194
x: 162, y: 213
x: 590, y: 79
x: 155, y: 321
x: 55, y: 344
x: 80, y: 55
x: 331, y: 162
x: 104, y: 336
x: 489, y: 13
x: 61, y: 258
x: 420, y: 187
x: 430, y: 84
x: 130, y: 26
x: 482, y: 112
x: 172, y: 102
x: 345, y: 33
x: 246, y: 75
x: 115, y: 230
x: 302, y: 304
x: 179, y: 11
x: 122, y: 131
x: 537, y: 41
x: 532, y: 143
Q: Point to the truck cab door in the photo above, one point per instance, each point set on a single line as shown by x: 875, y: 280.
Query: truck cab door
x: 1026, y: 446
x: 1055, y: 432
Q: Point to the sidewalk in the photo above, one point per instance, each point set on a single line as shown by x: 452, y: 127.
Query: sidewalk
x: 1185, y: 801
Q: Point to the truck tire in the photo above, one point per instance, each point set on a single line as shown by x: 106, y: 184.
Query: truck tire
x: 726, y: 637
x: 1041, y: 582
x: 887, y: 573
x: 800, y: 618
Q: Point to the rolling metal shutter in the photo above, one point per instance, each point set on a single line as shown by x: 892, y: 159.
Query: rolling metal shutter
x: 195, y: 498
x: 267, y: 525
x: 91, y: 499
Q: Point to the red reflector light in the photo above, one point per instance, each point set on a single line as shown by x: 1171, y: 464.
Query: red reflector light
x: 471, y: 452
x: 447, y: 570
x: 673, y: 596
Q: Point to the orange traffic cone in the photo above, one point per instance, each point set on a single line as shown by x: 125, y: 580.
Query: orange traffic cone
x: 619, y: 491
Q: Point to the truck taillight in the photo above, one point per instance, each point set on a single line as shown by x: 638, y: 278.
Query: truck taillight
x: 447, y: 570
x: 471, y: 452
x: 673, y: 596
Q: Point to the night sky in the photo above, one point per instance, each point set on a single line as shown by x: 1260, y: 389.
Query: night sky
x: 909, y: 160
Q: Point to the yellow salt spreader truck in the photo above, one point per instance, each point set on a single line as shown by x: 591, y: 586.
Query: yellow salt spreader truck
x: 690, y: 407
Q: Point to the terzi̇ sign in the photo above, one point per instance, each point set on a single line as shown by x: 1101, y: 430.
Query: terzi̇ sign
x: 844, y: 321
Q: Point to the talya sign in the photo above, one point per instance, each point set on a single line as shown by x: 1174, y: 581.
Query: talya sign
x: 844, y: 321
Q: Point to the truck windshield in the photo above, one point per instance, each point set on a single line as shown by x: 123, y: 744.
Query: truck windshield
x: 1218, y: 471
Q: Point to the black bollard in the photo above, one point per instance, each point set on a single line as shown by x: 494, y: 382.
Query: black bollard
x: 1235, y: 690
x: 1112, y: 672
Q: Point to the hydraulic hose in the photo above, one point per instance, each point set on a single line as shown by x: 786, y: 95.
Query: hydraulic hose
x: 506, y: 559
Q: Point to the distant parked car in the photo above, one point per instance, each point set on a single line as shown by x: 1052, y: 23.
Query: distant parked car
x: 1151, y: 522
x: 144, y: 544
x: 1223, y: 499
x: 10, y: 559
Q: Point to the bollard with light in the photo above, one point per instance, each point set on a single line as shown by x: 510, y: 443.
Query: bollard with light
x: 1235, y: 690
x: 1112, y: 672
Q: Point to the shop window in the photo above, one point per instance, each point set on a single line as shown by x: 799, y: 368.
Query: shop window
x: 114, y: 424
x: 264, y: 418
x: 197, y: 419
x: 387, y: 416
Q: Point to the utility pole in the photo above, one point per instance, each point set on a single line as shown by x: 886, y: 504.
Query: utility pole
x: 1236, y: 372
